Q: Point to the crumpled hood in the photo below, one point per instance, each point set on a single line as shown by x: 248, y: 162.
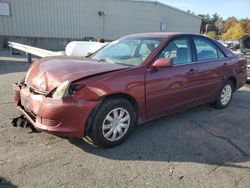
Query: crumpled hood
x: 47, y: 73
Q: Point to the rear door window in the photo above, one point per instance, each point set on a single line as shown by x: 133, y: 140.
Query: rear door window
x: 206, y: 50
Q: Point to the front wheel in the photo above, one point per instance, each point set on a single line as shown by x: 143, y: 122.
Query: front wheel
x: 225, y: 95
x: 113, y: 122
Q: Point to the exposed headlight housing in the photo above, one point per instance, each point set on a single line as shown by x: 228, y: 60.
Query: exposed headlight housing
x: 61, y: 91
x: 65, y: 89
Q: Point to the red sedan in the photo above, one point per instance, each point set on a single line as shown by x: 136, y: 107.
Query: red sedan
x: 130, y: 81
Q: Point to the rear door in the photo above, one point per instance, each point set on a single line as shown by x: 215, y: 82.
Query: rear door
x: 172, y: 87
x: 212, y: 66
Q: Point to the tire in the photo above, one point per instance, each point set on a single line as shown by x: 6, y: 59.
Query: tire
x: 225, y: 95
x: 112, y: 123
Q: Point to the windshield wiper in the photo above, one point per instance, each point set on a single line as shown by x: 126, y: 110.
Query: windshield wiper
x: 102, y: 60
x: 125, y: 64
x: 115, y: 62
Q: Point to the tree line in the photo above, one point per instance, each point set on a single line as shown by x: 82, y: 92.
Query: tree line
x: 229, y: 29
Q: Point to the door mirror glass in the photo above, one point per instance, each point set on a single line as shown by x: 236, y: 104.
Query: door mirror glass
x: 163, y: 62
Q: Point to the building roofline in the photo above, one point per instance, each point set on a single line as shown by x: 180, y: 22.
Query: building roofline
x: 165, y: 5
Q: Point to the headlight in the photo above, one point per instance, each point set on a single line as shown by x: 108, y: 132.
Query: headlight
x: 61, y: 90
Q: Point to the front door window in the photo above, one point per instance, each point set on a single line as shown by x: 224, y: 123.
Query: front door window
x: 179, y: 50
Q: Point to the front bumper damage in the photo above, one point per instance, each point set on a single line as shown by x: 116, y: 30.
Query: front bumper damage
x: 65, y: 117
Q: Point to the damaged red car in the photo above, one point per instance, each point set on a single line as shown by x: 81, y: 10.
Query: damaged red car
x: 130, y: 81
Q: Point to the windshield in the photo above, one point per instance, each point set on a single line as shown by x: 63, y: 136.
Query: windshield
x: 130, y: 51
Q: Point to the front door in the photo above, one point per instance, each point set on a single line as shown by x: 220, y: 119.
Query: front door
x: 172, y: 87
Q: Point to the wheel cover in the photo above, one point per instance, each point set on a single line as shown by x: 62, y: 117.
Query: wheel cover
x: 116, y: 124
x: 226, y: 94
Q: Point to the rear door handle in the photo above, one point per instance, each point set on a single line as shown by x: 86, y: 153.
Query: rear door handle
x: 225, y: 64
x: 191, y: 71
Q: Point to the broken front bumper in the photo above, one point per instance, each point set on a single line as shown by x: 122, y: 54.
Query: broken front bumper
x: 65, y: 117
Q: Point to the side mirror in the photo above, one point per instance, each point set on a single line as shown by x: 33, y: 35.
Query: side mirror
x: 163, y: 62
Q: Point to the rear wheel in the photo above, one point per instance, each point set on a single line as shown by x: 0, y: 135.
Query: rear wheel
x: 113, y: 122
x: 225, y: 95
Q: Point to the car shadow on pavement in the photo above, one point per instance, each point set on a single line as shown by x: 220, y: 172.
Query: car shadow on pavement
x: 6, y: 184
x: 201, y: 135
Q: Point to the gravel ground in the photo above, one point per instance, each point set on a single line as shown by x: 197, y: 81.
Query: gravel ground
x: 199, y: 147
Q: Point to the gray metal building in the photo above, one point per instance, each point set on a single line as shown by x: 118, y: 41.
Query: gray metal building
x: 77, y: 19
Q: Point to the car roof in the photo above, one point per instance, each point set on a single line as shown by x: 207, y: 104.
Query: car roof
x: 160, y: 34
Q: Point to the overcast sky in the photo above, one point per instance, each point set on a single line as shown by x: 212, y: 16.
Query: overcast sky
x: 237, y: 8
